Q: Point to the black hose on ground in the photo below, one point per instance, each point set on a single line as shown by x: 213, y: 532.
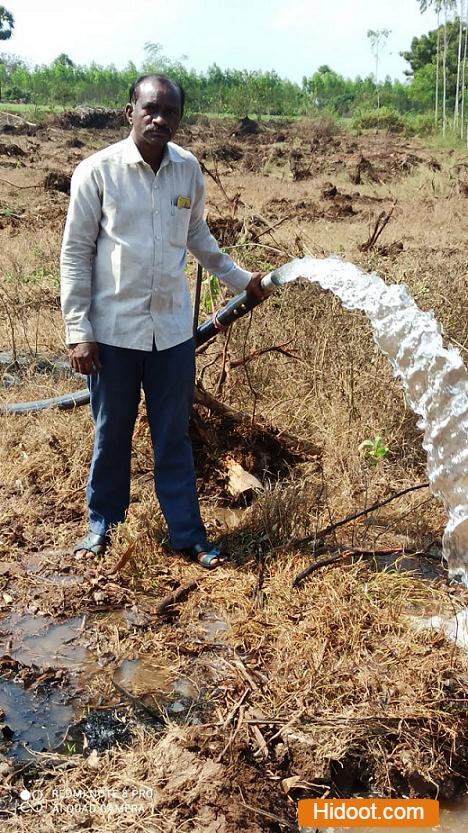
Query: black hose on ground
x: 63, y: 403
x: 231, y: 312
x: 67, y: 401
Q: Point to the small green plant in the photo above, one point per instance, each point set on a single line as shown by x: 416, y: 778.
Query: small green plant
x: 210, y: 293
x: 374, y: 450
x: 71, y: 748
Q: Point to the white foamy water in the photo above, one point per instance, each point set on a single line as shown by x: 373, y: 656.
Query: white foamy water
x: 433, y: 377
x: 454, y: 628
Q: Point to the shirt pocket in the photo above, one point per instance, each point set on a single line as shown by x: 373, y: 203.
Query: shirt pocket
x: 179, y: 226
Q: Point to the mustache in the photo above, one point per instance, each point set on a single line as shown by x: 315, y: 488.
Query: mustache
x: 163, y: 130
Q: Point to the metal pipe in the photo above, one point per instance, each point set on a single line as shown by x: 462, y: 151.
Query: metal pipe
x: 232, y: 311
x: 196, y: 303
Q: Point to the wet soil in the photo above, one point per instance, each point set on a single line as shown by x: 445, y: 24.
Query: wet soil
x: 65, y: 681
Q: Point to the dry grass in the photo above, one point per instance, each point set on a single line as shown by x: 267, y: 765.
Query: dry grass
x: 328, y: 683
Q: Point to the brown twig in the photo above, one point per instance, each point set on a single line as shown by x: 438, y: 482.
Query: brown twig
x: 234, y: 201
x: 271, y: 816
x: 269, y: 231
x: 202, y: 397
x: 123, y: 560
x: 225, y: 364
x: 321, y: 533
x: 171, y: 599
x: 317, y: 565
x: 348, y: 553
x: 232, y: 713
x: 257, y: 593
x: 15, y: 185
x: 177, y: 595
x: 380, y: 223
x: 255, y: 354
x: 255, y: 235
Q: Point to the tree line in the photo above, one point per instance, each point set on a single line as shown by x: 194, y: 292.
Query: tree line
x: 434, y: 94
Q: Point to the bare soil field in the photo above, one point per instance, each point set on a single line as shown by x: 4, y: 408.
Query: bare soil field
x: 140, y: 694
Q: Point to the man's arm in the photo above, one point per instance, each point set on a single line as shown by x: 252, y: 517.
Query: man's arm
x: 205, y: 248
x: 76, y: 262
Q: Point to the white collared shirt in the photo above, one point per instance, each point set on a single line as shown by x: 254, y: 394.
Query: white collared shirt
x: 125, y: 245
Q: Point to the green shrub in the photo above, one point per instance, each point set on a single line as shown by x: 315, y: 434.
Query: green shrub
x: 15, y: 93
x: 419, y: 124
x: 386, y: 118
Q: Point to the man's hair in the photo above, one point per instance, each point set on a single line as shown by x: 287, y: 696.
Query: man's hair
x: 163, y: 79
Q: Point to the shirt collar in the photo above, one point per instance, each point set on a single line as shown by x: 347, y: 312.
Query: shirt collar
x: 132, y: 155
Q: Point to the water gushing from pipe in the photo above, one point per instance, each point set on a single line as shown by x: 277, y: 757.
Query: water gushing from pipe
x: 433, y: 377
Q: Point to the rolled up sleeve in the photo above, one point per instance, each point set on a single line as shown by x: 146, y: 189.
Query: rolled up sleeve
x: 205, y: 248
x: 77, y: 254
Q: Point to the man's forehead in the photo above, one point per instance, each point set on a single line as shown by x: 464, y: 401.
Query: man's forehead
x: 152, y: 89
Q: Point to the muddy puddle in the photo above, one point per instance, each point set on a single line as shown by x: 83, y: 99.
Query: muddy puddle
x: 40, y: 642
x: 37, y: 657
x: 31, y: 721
x: 44, y: 665
x: 152, y: 689
x: 36, y: 564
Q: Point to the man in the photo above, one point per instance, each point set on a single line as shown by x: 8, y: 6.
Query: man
x: 135, y: 208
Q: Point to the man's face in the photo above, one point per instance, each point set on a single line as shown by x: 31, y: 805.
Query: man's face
x: 155, y: 115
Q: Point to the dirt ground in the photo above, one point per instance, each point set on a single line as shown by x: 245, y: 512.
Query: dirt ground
x: 217, y: 708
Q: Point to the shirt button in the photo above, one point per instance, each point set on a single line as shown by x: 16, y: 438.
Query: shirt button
x: 158, y: 237
x: 156, y: 211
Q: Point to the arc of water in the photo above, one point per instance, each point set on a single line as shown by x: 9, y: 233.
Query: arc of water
x: 433, y: 377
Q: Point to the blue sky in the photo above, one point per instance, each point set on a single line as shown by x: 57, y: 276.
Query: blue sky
x: 294, y: 37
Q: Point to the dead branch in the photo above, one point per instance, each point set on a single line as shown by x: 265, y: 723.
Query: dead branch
x: 18, y: 119
x: 177, y: 595
x: 321, y: 533
x: 254, y: 354
x: 225, y: 364
x: 233, y: 202
x: 16, y: 185
x: 269, y: 231
x: 154, y: 712
x: 231, y: 715
x: 270, y: 816
x: 262, y: 750
x: 380, y: 223
x: 348, y: 553
x: 202, y: 397
x: 123, y: 560
x: 317, y: 565
x: 257, y: 593
x: 255, y: 235
x: 240, y: 720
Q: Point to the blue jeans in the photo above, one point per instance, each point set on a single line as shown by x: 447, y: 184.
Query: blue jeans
x: 168, y: 378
